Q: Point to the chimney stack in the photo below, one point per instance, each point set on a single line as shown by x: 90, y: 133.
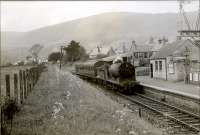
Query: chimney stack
x: 134, y: 45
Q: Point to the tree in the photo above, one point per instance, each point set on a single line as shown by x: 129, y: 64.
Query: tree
x: 34, y: 50
x: 74, y: 51
x: 55, y: 56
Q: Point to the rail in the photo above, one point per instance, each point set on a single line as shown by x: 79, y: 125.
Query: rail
x: 179, y: 116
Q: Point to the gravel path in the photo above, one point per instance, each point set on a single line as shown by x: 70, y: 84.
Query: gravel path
x: 63, y: 104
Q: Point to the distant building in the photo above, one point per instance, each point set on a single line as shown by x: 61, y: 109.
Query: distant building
x: 177, y: 61
x: 101, y: 51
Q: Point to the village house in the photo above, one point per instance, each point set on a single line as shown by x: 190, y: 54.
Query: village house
x: 143, y: 53
x: 139, y: 54
x: 177, y: 61
x: 101, y: 52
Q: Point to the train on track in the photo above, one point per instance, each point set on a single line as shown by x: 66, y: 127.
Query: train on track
x: 114, y: 72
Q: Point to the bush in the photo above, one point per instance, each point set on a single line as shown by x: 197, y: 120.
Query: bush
x: 55, y: 56
x: 8, y: 111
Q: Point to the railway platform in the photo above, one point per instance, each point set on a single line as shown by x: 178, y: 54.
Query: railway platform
x: 180, y: 88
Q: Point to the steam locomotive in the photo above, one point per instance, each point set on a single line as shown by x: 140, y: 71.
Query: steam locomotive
x: 114, y: 72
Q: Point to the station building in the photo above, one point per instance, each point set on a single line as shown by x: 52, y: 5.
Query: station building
x: 177, y: 61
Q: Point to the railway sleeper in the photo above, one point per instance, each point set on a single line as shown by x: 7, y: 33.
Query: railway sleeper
x: 176, y: 114
x: 164, y: 110
x: 180, y: 128
x: 196, y: 124
x: 183, y: 132
x: 169, y: 111
x: 160, y: 118
x: 156, y: 106
x: 168, y: 121
x: 162, y: 107
x: 171, y: 124
x: 192, y: 121
x: 186, y: 118
x: 179, y: 115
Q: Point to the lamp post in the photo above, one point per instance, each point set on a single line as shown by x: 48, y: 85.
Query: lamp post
x: 187, y: 65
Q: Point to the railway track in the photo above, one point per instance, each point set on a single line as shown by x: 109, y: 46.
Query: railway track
x: 180, y: 121
x: 177, y: 120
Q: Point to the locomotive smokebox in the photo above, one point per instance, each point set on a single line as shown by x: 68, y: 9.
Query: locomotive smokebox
x: 126, y: 70
x: 122, y: 70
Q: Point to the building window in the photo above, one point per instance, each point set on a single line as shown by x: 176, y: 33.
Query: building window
x: 141, y: 55
x: 171, y: 68
x: 195, y: 77
x: 145, y: 55
x: 160, y: 65
x: 156, y: 65
x: 150, y: 54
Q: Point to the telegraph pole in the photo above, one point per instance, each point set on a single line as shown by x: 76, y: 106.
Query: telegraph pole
x: 187, y: 65
x: 61, y: 55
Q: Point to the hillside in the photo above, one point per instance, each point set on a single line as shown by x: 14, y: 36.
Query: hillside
x: 90, y: 31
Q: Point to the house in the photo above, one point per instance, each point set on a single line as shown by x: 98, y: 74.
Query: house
x: 138, y: 54
x: 177, y: 61
x: 143, y: 53
x: 101, y: 52
x: 195, y: 66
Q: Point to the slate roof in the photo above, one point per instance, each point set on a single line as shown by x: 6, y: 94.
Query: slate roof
x: 170, y: 48
x: 143, y: 48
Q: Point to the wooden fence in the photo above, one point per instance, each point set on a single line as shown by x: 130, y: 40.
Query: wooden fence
x: 17, y: 83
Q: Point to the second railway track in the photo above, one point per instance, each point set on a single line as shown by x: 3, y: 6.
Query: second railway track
x: 182, y: 122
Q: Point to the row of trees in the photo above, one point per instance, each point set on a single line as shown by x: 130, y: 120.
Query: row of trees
x: 73, y: 52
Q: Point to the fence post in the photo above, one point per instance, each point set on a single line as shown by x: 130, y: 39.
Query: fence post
x: 7, y: 78
x: 16, y: 87
x: 24, y: 80
x: 21, y: 86
x: 140, y: 112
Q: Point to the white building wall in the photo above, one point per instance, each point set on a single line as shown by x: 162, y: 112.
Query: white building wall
x: 160, y: 73
x: 178, y: 74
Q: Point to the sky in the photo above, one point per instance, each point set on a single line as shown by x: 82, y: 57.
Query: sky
x: 24, y: 16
